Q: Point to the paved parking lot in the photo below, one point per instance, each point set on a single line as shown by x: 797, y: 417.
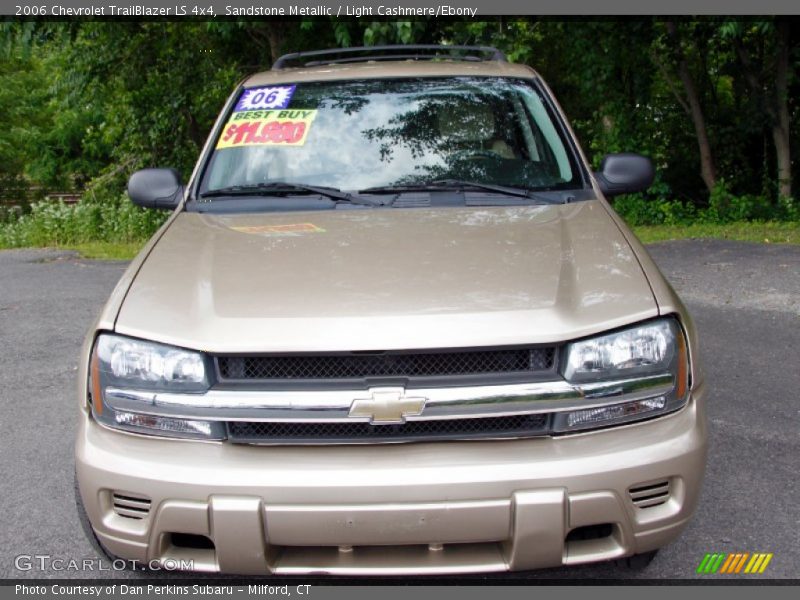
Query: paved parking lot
x: 746, y: 302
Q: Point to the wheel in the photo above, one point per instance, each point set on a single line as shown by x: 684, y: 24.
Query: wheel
x: 637, y: 562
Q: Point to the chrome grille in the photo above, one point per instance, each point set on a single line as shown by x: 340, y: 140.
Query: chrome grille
x: 357, y: 365
x: 260, y: 432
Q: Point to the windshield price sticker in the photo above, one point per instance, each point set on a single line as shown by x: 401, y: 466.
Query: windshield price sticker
x: 265, y: 98
x: 267, y: 128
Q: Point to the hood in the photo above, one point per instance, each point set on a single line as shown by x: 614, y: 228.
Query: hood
x: 386, y: 279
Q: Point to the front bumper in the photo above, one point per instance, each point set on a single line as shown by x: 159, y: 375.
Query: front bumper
x: 423, y: 508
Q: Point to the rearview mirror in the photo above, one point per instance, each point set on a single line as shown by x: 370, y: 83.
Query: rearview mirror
x: 156, y: 188
x: 625, y: 174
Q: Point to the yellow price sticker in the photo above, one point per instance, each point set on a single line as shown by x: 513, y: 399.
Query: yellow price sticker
x: 267, y: 128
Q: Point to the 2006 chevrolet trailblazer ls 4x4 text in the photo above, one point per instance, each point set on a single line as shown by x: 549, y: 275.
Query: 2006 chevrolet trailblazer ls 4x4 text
x: 392, y: 327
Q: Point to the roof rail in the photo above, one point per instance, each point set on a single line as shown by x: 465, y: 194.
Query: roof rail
x: 395, y: 52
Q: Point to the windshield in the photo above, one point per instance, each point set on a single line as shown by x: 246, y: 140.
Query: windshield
x: 356, y: 135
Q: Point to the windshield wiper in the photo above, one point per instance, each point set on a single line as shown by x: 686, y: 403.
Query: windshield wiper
x: 285, y: 187
x: 458, y: 184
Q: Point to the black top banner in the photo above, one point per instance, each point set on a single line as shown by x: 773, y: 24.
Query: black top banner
x: 388, y: 8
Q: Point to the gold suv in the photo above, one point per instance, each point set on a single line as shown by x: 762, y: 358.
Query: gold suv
x: 392, y: 326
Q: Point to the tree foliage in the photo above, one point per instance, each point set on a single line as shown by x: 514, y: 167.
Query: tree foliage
x: 713, y: 101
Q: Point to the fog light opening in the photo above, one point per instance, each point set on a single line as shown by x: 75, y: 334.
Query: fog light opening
x: 590, y: 532
x: 191, y: 541
x: 593, y: 543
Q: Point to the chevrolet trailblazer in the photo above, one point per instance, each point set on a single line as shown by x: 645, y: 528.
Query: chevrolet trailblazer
x: 392, y: 326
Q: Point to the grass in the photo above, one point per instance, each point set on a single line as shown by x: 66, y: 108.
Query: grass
x: 769, y: 232
x: 107, y: 250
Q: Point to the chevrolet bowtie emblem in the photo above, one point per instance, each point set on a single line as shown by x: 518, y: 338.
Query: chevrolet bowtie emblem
x: 387, y: 406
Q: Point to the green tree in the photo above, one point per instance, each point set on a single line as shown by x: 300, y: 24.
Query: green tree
x: 765, y: 50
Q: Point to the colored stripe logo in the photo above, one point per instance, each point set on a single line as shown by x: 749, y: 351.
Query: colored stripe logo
x: 734, y: 563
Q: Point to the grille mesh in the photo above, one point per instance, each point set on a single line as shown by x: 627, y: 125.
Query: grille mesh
x: 326, y: 433
x: 354, y: 366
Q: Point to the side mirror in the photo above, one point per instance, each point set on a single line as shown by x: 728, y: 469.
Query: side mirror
x: 156, y: 188
x: 625, y: 174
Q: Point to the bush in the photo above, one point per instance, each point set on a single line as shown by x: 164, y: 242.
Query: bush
x: 723, y: 207
x: 790, y: 209
x: 636, y: 210
x: 58, y: 224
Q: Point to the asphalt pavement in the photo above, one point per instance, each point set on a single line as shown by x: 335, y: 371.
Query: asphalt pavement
x: 745, y: 299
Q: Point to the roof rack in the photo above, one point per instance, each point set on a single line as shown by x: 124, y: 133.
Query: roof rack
x: 395, y: 52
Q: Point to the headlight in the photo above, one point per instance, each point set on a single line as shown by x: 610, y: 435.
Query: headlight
x: 642, y: 371
x: 151, y: 366
x: 136, y: 369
